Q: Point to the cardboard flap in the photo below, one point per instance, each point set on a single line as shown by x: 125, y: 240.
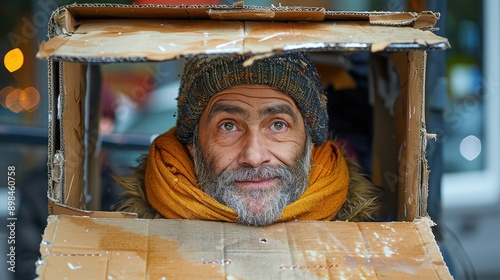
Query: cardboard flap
x: 269, y: 13
x: 55, y: 207
x: 66, y: 22
x: 47, y: 48
x: 133, y: 35
x: 81, y: 11
x: 397, y: 19
x: 426, y: 20
x: 76, y: 247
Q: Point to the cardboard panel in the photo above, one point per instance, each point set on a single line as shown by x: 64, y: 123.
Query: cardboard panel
x: 413, y: 148
x: 285, y: 12
x: 267, y: 14
x: 153, y: 40
x: 187, y: 249
x: 71, y: 110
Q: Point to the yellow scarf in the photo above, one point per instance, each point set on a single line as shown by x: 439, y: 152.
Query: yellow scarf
x: 172, y: 189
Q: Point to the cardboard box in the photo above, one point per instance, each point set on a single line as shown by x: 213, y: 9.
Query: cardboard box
x: 91, y: 244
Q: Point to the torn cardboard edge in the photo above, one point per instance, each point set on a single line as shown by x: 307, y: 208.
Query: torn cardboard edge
x: 88, y: 248
x: 63, y: 209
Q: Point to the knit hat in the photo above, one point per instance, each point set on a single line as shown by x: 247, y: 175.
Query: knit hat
x: 293, y: 73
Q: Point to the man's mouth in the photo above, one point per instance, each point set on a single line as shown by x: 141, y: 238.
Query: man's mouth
x: 256, y: 184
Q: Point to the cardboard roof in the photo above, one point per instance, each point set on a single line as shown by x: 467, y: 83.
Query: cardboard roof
x: 112, y: 33
x: 88, y: 248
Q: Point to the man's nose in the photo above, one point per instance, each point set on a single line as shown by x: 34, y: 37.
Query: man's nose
x: 254, y: 151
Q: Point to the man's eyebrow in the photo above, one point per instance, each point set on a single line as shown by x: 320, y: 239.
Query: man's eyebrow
x: 231, y: 109
x: 279, y: 109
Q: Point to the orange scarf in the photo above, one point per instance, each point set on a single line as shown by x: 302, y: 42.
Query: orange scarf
x: 172, y: 189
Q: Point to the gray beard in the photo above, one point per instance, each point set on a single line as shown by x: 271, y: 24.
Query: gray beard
x: 254, y: 207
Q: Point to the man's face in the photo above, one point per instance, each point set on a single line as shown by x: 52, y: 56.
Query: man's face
x: 251, y: 152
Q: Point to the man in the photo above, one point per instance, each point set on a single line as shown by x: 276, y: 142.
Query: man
x: 250, y: 146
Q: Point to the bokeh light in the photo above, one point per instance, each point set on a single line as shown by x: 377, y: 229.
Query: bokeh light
x: 12, y: 100
x: 3, y: 95
x: 32, y: 99
x: 13, y: 60
x: 470, y: 147
x: 20, y: 100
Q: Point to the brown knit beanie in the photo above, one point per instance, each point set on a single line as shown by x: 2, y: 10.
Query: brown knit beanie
x: 291, y: 73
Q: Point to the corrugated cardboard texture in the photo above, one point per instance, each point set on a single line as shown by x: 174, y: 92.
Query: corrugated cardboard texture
x: 87, y: 248
x: 240, y: 11
x: 103, y: 33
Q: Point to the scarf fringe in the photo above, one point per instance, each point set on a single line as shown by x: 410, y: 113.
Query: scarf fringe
x: 363, y: 201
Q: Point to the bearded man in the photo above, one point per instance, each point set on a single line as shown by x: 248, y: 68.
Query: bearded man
x: 249, y: 146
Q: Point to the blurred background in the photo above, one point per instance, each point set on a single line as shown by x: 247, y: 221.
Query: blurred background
x: 463, y: 102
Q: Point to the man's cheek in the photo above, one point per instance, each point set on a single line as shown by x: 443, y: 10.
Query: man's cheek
x: 219, y: 162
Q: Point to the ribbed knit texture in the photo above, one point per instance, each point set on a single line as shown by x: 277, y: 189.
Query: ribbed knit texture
x: 292, y: 73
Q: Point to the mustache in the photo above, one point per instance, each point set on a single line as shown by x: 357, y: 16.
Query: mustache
x: 265, y: 172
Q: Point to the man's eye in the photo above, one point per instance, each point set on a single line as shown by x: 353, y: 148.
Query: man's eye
x: 278, y: 126
x: 228, y: 126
